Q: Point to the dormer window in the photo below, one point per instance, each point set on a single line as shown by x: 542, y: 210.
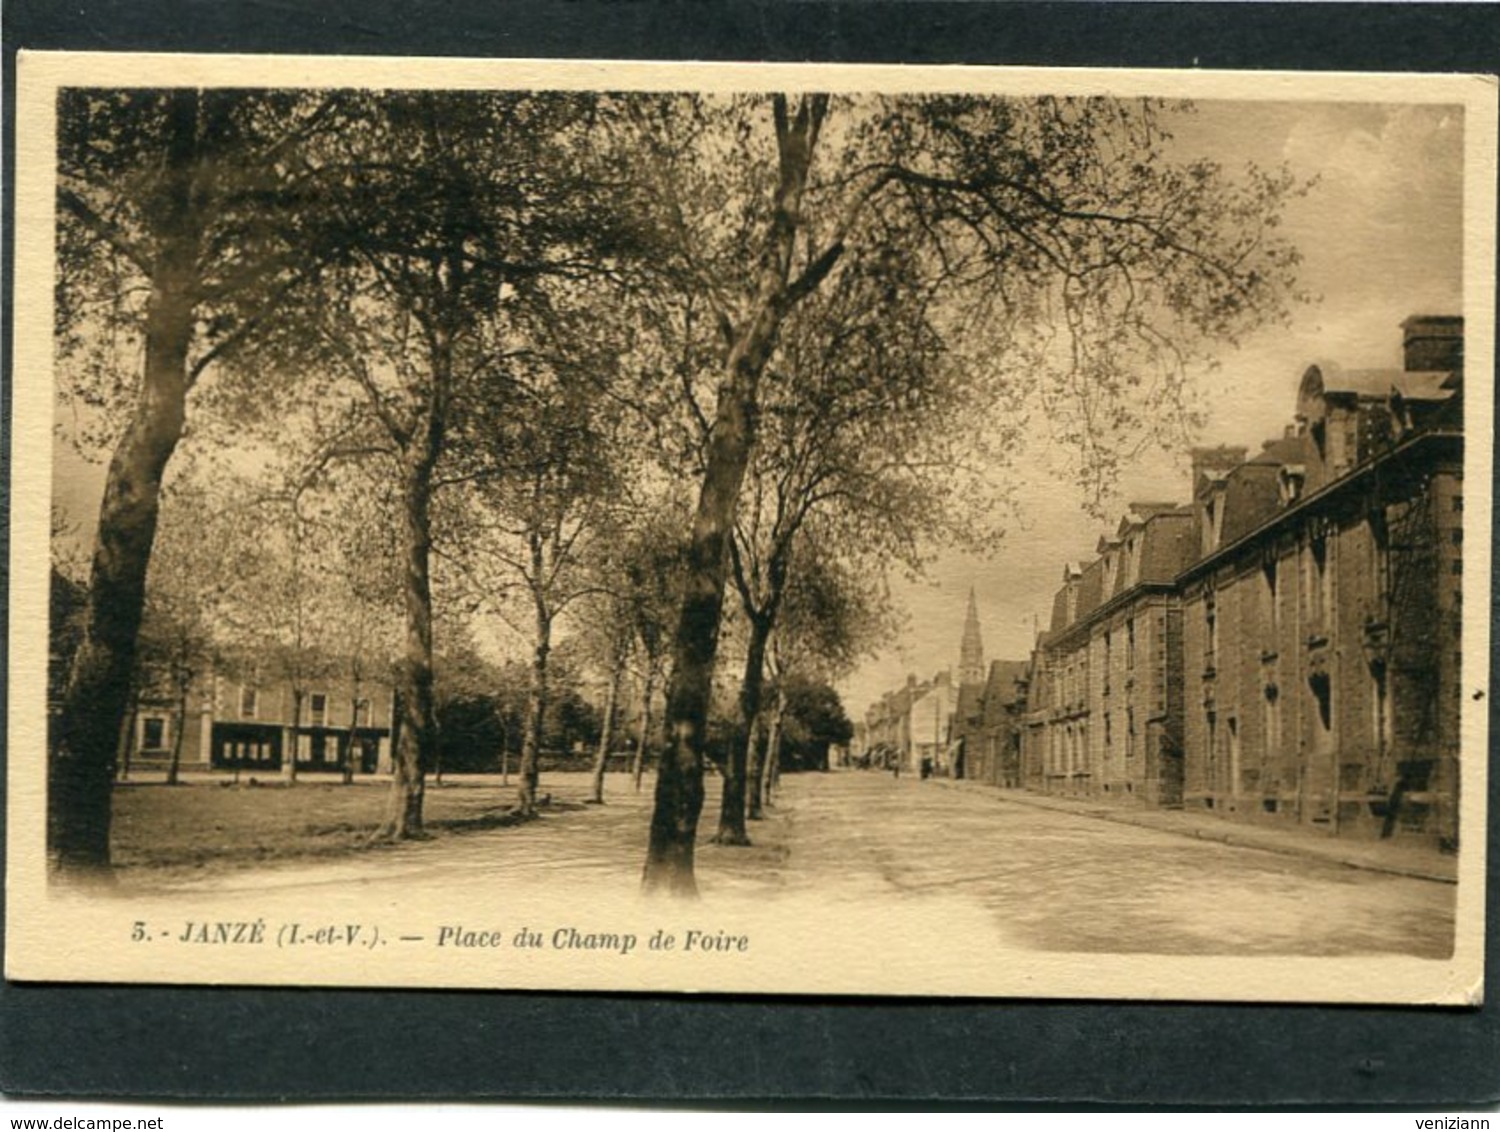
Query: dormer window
x: 1213, y: 519
x: 1289, y: 482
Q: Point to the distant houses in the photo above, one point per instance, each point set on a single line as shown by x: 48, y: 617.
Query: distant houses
x: 1283, y: 647
x: 965, y: 730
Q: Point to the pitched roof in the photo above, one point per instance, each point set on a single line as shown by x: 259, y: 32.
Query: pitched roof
x: 970, y: 700
x: 1004, y: 674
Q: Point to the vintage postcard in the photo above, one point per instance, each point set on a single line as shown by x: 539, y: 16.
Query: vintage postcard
x: 753, y: 529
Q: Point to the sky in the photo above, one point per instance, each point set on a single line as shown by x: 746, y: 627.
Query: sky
x: 1381, y: 238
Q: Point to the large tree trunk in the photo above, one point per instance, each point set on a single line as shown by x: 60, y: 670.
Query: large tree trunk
x: 82, y: 769
x: 643, y: 740
x: 528, y: 776
x: 414, y: 684
x: 732, y: 805
x: 606, y: 734
x: 679, y: 783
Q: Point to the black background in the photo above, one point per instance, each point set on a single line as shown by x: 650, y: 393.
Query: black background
x: 262, y: 1044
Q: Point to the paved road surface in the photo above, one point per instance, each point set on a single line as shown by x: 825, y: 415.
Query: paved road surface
x: 1053, y: 881
x: 1063, y: 882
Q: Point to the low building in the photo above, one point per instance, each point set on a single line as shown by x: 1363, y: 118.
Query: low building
x: 233, y: 724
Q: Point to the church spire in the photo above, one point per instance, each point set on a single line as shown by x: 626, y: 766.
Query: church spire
x: 971, y: 652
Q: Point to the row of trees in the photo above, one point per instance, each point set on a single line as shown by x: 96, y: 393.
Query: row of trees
x: 620, y: 355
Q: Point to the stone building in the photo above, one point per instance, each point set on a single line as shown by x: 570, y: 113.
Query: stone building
x: 1285, y: 647
x: 987, y: 727
x: 1322, y: 617
x: 1105, y: 708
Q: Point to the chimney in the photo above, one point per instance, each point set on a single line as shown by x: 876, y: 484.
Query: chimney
x: 1433, y: 342
x: 1215, y: 462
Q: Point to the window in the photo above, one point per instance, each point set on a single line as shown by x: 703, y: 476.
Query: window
x: 153, y: 733
x: 1272, y: 720
x: 1130, y: 643
x: 1268, y: 583
x: 318, y: 704
x: 1129, y: 732
x: 1380, y: 554
x: 1233, y: 731
x: 249, y: 701
x: 1458, y: 503
x: 1319, y: 579
x: 1380, y: 706
x: 1289, y: 483
x: 1212, y: 720
x: 1211, y: 632
x: 361, y: 713
x: 1322, y: 690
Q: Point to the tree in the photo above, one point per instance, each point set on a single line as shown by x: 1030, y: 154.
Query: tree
x: 469, y: 714
x: 538, y: 455
x: 837, y: 609
x: 652, y: 567
x: 180, y: 235
x: 357, y: 534
x: 466, y: 206
x: 1033, y: 215
x: 609, y: 635
x: 814, y: 720
x: 185, y: 594
x: 882, y: 439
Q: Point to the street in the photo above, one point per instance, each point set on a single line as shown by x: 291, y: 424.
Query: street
x: 1060, y: 882
x: 1051, y: 881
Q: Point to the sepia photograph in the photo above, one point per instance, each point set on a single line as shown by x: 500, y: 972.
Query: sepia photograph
x: 755, y: 529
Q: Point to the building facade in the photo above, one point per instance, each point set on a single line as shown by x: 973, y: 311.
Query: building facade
x: 235, y: 725
x: 1105, y: 711
x: 987, y: 726
x: 1322, y: 620
x: 1286, y: 647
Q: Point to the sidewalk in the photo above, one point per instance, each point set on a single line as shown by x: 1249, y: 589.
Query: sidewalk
x: 1383, y: 857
